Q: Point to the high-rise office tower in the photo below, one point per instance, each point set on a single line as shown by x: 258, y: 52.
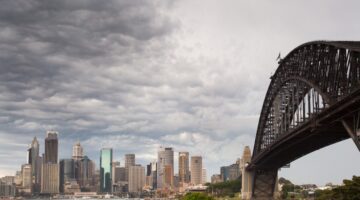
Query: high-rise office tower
x: 165, y: 158
x: 168, y: 175
x: 196, y: 170
x: 129, y: 161
x: 204, y: 177
x: 106, y: 156
x: 67, y: 172
x: 154, y: 174
x: 27, y: 178
x: 148, y: 170
x: 51, y: 147
x: 136, y: 178
x: 77, y: 153
x: 35, y: 157
x: 29, y: 155
x: 50, y: 169
x: 50, y: 178
x: 34, y: 154
x: 87, y: 170
x: 39, y: 162
x: 114, y: 175
x: 184, y: 172
x: 148, y: 177
x: 33, y: 160
x: 176, y: 181
x: 119, y: 174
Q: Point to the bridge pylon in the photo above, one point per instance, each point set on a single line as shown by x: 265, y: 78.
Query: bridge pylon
x: 247, y: 176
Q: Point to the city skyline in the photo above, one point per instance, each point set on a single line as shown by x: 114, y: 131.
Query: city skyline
x: 189, y: 75
x: 78, y: 154
x: 78, y: 173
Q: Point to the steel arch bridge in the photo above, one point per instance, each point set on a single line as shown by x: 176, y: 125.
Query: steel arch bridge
x: 313, y: 101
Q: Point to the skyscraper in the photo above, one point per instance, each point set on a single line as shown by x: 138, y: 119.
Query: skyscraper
x: 168, y: 172
x: 29, y: 155
x: 35, y: 164
x: 50, y: 169
x: 87, y: 171
x: 148, y: 177
x: 196, y: 170
x: 184, y: 172
x: 136, y: 178
x: 114, y: 175
x: 51, y: 147
x: 106, y: 170
x: 77, y: 153
x: 129, y: 161
x: 77, y: 156
x: 67, y: 172
x: 27, y: 178
x: 50, y: 178
x: 119, y: 174
x: 165, y: 158
x: 154, y: 174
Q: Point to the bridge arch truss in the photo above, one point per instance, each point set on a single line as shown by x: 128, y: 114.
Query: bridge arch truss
x: 315, y: 90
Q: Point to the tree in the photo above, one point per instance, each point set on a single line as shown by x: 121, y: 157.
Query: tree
x: 323, y: 194
x: 350, y: 191
x: 284, y: 181
x: 197, y: 196
x: 227, y: 188
x: 287, y: 187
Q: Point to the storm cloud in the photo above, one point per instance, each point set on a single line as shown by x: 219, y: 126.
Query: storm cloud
x: 108, y: 74
x: 134, y: 75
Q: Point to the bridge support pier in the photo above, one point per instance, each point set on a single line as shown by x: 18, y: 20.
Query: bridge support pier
x: 246, y: 184
x: 264, y: 184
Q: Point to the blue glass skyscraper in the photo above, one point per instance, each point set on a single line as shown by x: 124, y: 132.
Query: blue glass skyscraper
x: 105, y: 170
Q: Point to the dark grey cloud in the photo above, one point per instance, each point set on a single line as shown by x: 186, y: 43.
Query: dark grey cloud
x: 73, y: 66
x: 130, y: 74
x: 112, y: 74
x: 55, y: 55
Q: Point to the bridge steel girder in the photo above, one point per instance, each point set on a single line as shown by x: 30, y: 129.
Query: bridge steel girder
x: 352, y: 127
x: 313, y: 100
x: 264, y: 184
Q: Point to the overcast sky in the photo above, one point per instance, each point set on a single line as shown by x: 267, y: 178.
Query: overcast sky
x: 135, y: 75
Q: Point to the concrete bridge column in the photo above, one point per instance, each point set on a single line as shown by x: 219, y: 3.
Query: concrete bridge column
x: 247, y: 176
x: 257, y: 184
x: 246, y: 187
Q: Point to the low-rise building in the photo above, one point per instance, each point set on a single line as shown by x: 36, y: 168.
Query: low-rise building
x: 216, y: 178
x: 231, y: 172
x: 7, y: 190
